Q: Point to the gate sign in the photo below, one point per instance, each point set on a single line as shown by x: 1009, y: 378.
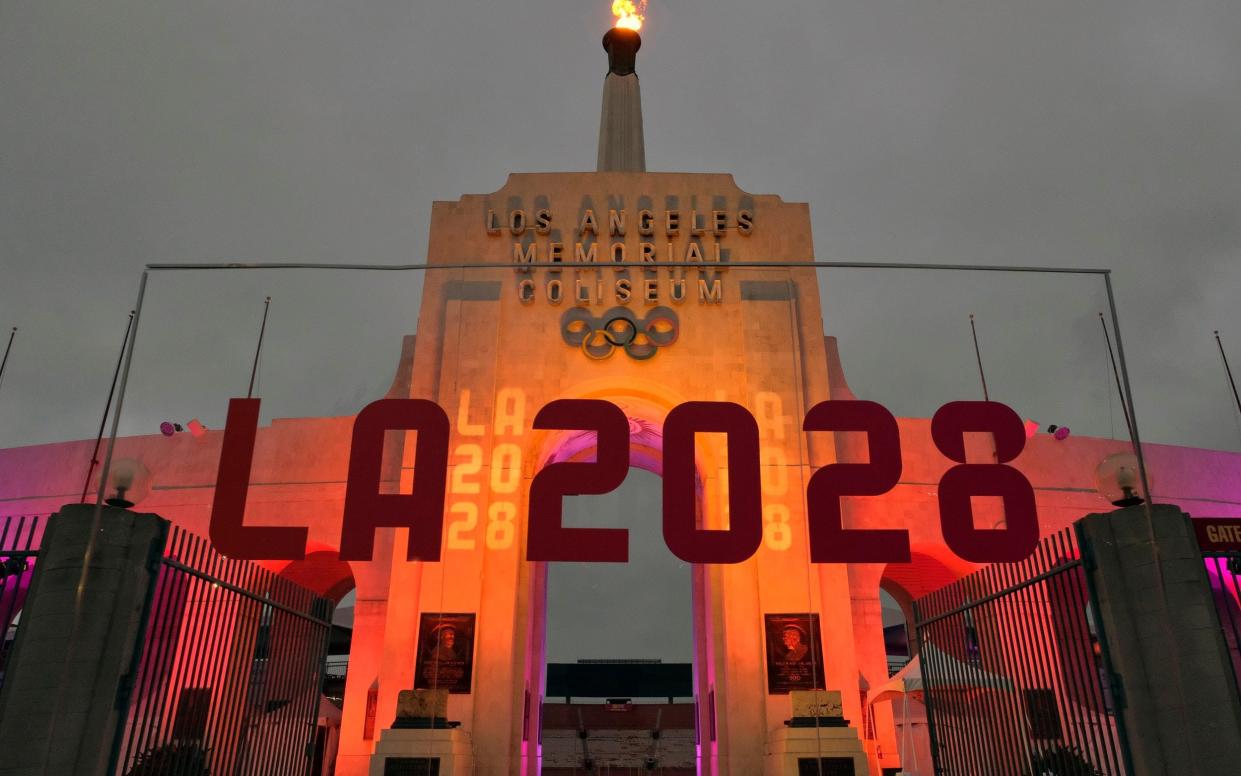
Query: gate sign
x: 422, y: 510
x: 1218, y: 534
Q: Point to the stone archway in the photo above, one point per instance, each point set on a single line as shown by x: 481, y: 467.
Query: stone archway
x: 354, y: 653
x: 322, y: 571
x: 493, y: 347
x: 646, y: 408
x: 929, y: 568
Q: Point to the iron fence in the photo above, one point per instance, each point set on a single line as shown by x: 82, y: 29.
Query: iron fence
x: 1224, y: 571
x: 20, y: 536
x: 1016, y: 673
x: 229, y: 672
x: 1220, y: 541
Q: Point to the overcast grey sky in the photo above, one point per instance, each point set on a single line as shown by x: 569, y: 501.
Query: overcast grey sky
x: 640, y: 609
x: 1010, y: 133
x: 1045, y: 133
x: 966, y: 131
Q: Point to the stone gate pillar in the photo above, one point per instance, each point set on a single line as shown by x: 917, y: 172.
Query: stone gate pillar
x: 1179, y: 703
x: 59, y: 706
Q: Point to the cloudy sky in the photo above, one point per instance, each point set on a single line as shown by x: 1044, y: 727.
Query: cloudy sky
x: 1049, y: 133
x: 1101, y: 134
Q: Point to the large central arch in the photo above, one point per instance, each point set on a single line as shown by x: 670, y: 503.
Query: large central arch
x: 645, y: 406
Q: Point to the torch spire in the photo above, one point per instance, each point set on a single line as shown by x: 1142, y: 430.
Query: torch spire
x: 621, y: 144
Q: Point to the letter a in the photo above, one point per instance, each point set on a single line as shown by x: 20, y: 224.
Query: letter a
x: 422, y: 511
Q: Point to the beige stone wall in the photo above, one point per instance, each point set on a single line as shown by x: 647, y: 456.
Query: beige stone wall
x: 760, y: 345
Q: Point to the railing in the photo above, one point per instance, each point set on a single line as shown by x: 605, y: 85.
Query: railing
x: 1016, y: 672
x: 895, y: 664
x: 20, y: 537
x: 229, y: 675
x: 335, y: 673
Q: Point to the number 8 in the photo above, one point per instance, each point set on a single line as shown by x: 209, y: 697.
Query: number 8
x: 1020, y: 537
x: 500, y: 525
x: 777, y: 533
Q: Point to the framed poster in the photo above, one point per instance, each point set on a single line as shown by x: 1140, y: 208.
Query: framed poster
x: 445, y: 652
x: 794, y: 653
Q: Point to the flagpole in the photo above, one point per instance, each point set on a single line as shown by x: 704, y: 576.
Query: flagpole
x: 103, y: 422
x: 5, y: 362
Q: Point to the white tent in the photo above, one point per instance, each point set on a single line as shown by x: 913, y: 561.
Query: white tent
x: 949, y: 675
x: 904, y: 683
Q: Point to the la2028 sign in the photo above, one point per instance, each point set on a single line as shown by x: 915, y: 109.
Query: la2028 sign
x: 422, y: 511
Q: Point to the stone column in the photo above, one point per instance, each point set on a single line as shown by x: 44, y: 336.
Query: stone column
x: 365, y: 659
x: 621, y: 144
x: 59, y: 708
x: 1180, y: 700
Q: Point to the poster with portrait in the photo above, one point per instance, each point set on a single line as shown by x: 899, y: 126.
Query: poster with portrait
x: 445, y: 652
x: 794, y: 653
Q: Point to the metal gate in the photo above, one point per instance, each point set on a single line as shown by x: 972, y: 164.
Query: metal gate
x: 20, y: 537
x: 1220, y: 541
x: 1224, y: 570
x: 1016, y: 671
x: 229, y: 673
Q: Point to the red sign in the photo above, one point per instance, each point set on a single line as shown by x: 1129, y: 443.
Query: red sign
x: 1218, y: 534
x: 422, y: 510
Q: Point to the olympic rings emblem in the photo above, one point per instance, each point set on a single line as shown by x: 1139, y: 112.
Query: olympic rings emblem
x: 640, y: 338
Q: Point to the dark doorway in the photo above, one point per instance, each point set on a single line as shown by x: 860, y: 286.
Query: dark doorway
x: 622, y: 635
